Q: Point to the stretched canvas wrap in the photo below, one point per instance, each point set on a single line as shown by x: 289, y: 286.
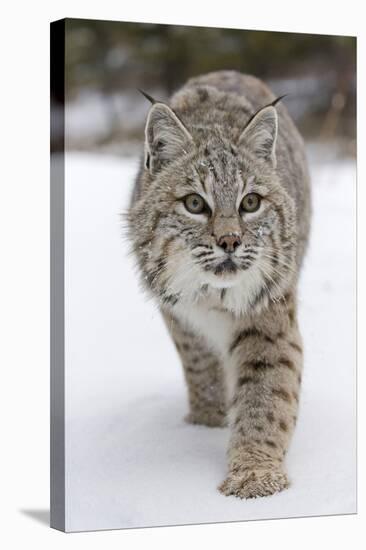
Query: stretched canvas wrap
x: 203, y: 188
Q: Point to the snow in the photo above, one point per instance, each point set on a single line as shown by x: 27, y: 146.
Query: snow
x: 131, y: 460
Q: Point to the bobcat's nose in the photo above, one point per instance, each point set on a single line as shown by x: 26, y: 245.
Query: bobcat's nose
x: 229, y: 242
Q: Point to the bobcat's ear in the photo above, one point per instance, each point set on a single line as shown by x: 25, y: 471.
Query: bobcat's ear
x: 165, y: 137
x: 260, y: 135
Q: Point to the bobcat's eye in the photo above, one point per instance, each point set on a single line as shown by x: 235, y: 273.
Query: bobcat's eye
x: 251, y: 202
x: 194, y: 203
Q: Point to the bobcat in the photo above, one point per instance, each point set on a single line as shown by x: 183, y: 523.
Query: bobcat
x: 219, y: 224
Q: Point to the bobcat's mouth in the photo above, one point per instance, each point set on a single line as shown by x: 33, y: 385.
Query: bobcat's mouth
x: 227, y: 266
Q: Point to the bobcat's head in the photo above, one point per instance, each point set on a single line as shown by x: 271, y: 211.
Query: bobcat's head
x: 211, y: 212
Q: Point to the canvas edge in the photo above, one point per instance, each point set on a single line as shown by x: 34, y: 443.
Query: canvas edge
x: 57, y: 270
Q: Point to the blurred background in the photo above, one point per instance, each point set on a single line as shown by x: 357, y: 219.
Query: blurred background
x: 107, y: 61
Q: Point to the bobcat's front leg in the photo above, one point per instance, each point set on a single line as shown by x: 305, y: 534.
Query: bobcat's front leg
x: 267, y: 364
x: 204, y: 376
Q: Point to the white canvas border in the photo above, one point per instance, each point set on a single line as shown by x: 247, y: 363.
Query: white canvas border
x: 26, y: 297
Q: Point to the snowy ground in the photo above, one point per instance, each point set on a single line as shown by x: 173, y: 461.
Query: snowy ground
x: 131, y: 461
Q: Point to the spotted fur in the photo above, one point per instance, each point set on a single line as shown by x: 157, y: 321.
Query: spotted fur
x: 231, y: 313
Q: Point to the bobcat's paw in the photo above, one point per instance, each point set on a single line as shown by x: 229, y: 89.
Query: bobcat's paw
x: 254, y: 483
x: 212, y: 419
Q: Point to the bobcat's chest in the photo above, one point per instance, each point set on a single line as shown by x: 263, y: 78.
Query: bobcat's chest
x: 215, y: 326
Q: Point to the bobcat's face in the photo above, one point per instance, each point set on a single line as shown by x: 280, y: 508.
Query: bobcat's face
x: 213, y: 214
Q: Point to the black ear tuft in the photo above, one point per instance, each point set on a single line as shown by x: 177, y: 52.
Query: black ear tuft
x: 148, y: 97
x: 278, y: 99
x: 274, y: 102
